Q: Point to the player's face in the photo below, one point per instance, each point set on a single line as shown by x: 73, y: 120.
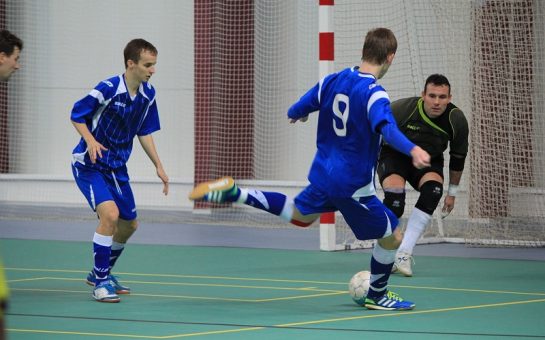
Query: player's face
x: 436, y: 98
x: 145, y: 68
x: 9, y: 64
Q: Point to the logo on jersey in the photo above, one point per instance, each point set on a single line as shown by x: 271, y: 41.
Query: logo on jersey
x: 109, y: 83
x: 120, y: 104
x: 372, y: 86
x: 413, y: 127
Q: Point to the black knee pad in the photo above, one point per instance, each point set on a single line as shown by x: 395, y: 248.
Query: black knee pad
x: 395, y: 201
x: 430, y: 195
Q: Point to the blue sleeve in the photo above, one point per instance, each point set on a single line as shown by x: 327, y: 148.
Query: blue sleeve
x: 396, y: 138
x: 383, y: 122
x: 308, y: 103
x: 85, y: 108
x: 151, y: 122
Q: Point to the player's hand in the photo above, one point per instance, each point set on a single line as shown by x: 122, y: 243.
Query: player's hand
x: 163, y: 176
x: 95, y: 149
x: 421, y: 159
x: 302, y: 120
x: 447, y: 206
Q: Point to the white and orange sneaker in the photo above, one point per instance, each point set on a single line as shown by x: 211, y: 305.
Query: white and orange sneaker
x: 218, y: 191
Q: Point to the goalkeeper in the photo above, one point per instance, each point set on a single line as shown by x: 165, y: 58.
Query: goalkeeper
x: 433, y: 123
x: 354, y: 116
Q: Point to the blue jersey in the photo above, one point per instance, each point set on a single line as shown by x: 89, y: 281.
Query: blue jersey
x: 114, y: 119
x: 353, y: 110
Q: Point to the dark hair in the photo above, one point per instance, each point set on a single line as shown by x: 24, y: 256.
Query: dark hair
x: 8, y: 42
x: 379, y: 43
x: 135, y: 47
x: 437, y: 80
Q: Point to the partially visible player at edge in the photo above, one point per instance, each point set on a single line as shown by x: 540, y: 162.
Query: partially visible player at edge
x: 10, y: 51
x: 354, y: 116
x: 433, y: 123
x: 108, y: 119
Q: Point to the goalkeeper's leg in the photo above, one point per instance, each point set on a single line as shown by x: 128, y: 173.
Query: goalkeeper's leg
x: 430, y: 195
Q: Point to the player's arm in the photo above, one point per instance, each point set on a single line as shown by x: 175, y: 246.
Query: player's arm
x: 382, y: 121
x: 94, y: 148
x: 149, y: 147
x: 454, y: 181
x: 150, y: 125
x: 458, y: 153
x: 81, y: 112
x: 307, y: 104
x: 398, y: 141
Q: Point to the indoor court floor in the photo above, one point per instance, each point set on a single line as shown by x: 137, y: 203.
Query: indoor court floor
x: 260, y: 287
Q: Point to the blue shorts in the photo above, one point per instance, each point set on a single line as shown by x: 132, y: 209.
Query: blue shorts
x: 98, y: 187
x: 367, y: 217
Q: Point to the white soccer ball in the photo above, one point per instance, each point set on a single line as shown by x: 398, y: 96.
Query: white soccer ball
x: 359, y: 286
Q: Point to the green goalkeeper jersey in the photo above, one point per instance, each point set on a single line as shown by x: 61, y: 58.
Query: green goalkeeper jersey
x: 432, y: 134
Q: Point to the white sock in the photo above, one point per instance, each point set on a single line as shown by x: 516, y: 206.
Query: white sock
x: 243, y: 196
x: 415, y: 228
x: 102, y: 240
x: 287, y: 210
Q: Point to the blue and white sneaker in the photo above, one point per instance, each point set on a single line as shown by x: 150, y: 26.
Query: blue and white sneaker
x: 104, y: 292
x: 119, y: 288
x: 388, y: 301
x: 219, y: 191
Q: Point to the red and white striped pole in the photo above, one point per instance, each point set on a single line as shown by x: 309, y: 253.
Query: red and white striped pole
x: 328, y: 239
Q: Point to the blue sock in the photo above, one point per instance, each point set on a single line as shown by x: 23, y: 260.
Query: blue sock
x: 117, y: 249
x: 102, y: 248
x: 273, y: 202
x: 382, y: 262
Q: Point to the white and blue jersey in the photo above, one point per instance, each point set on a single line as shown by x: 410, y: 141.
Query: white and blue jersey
x: 114, y: 119
x: 353, y: 113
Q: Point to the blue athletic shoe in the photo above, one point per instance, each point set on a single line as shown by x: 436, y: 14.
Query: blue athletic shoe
x: 218, y: 191
x: 388, y: 301
x: 104, y: 292
x: 119, y: 288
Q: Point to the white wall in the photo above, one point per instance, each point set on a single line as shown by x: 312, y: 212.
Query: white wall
x: 70, y: 46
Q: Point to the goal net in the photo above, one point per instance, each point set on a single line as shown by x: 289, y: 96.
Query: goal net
x: 228, y: 71
x: 489, y: 50
x: 507, y: 193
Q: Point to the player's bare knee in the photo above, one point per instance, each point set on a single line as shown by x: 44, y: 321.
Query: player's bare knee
x: 430, y: 195
x: 109, y: 217
x: 133, y: 225
x: 394, y: 199
x: 389, y: 242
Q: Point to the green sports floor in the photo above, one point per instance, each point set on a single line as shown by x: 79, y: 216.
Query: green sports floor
x: 214, y: 292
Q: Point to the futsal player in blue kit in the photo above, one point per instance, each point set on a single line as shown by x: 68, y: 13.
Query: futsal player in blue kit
x: 354, y: 116
x: 108, y: 119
